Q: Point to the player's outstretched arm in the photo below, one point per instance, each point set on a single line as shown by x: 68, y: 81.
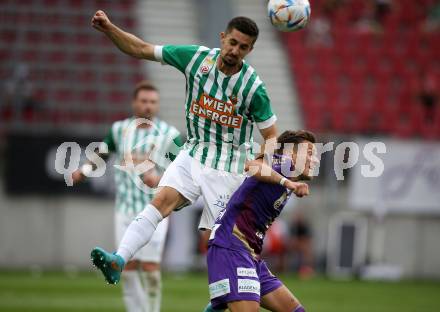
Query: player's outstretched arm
x: 80, y: 175
x: 100, y: 155
x: 151, y: 178
x: 270, y: 139
x: 126, y: 42
x: 263, y: 172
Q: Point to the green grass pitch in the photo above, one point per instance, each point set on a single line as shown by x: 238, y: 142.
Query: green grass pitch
x: 20, y: 291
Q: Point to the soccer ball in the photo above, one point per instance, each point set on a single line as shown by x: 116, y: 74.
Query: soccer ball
x: 289, y: 15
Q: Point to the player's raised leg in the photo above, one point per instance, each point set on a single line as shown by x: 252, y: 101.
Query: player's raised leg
x: 244, y: 306
x: 209, y: 308
x: 138, y: 234
x: 275, y: 296
x: 143, y: 226
x: 111, y: 265
x: 281, y: 300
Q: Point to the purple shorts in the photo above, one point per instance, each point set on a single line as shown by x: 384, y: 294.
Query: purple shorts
x: 236, y: 275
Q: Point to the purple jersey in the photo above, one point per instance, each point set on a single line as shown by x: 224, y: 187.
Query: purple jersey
x: 242, y: 225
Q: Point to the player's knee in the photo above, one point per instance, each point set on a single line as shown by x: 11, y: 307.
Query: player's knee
x: 159, y: 202
x: 162, y: 203
x: 129, y: 278
x: 167, y: 200
x: 154, y: 281
x: 131, y: 265
x: 150, y: 266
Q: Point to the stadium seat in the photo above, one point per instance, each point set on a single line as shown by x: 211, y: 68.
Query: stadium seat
x: 53, y: 38
x: 385, y: 66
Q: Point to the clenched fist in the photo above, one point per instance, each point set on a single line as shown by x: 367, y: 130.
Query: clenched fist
x: 77, y: 176
x: 300, y: 189
x: 100, y: 21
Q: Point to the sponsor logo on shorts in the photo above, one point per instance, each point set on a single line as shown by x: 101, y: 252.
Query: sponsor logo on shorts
x: 248, y: 286
x: 220, y: 202
x: 247, y: 272
x: 219, y: 288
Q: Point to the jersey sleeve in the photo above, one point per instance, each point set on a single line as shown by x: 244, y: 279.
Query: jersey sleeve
x: 110, y: 141
x: 168, y: 148
x: 178, y: 56
x: 261, y: 110
x: 175, y: 145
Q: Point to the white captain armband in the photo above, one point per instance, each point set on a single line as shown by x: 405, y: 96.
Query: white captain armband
x: 283, y: 181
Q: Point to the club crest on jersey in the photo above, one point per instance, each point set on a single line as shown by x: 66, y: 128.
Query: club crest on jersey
x: 204, y: 69
x: 206, y: 66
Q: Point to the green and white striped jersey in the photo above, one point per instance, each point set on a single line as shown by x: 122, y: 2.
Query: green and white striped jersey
x: 136, y: 147
x: 220, y: 109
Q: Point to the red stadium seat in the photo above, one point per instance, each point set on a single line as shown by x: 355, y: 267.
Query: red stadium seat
x: 89, y: 97
x: 54, y: 40
x: 57, y: 57
x: 5, y: 55
x: 112, y: 77
x: 30, y: 56
x: 63, y: 97
x: 386, y: 66
x: 8, y: 36
x: 77, y: 4
x: 118, y: 98
x: 87, y: 77
x: 83, y: 58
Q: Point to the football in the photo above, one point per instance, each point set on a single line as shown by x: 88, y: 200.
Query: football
x: 289, y: 15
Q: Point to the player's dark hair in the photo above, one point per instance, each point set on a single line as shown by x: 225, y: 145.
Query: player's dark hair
x: 295, y: 137
x: 243, y: 24
x: 144, y: 85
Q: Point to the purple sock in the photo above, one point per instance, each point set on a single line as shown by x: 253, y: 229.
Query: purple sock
x: 299, y: 309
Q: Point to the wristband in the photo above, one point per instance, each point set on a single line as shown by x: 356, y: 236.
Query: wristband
x: 283, y: 181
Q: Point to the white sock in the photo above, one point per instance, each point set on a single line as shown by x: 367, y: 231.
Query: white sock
x: 153, y: 287
x: 139, y: 232
x: 135, y: 298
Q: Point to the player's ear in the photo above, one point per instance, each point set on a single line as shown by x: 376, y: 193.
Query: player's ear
x: 222, y: 36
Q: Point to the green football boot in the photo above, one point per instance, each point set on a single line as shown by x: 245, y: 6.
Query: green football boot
x: 111, y: 265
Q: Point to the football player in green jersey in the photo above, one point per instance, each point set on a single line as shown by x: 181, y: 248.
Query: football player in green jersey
x: 139, y: 144
x: 225, y: 98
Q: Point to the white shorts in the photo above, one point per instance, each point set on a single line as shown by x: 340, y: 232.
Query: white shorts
x: 192, y: 179
x: 151, y: 252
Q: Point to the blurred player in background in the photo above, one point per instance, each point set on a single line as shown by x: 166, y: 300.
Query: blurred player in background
x: 224, y: 98
x: 275, y: 246
x: 238, y: 279
x: 301, y: 244
x: 137, y: 144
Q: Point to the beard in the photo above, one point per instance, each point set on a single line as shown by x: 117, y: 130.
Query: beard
x: 230, y: 61
x: 147, y: 116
